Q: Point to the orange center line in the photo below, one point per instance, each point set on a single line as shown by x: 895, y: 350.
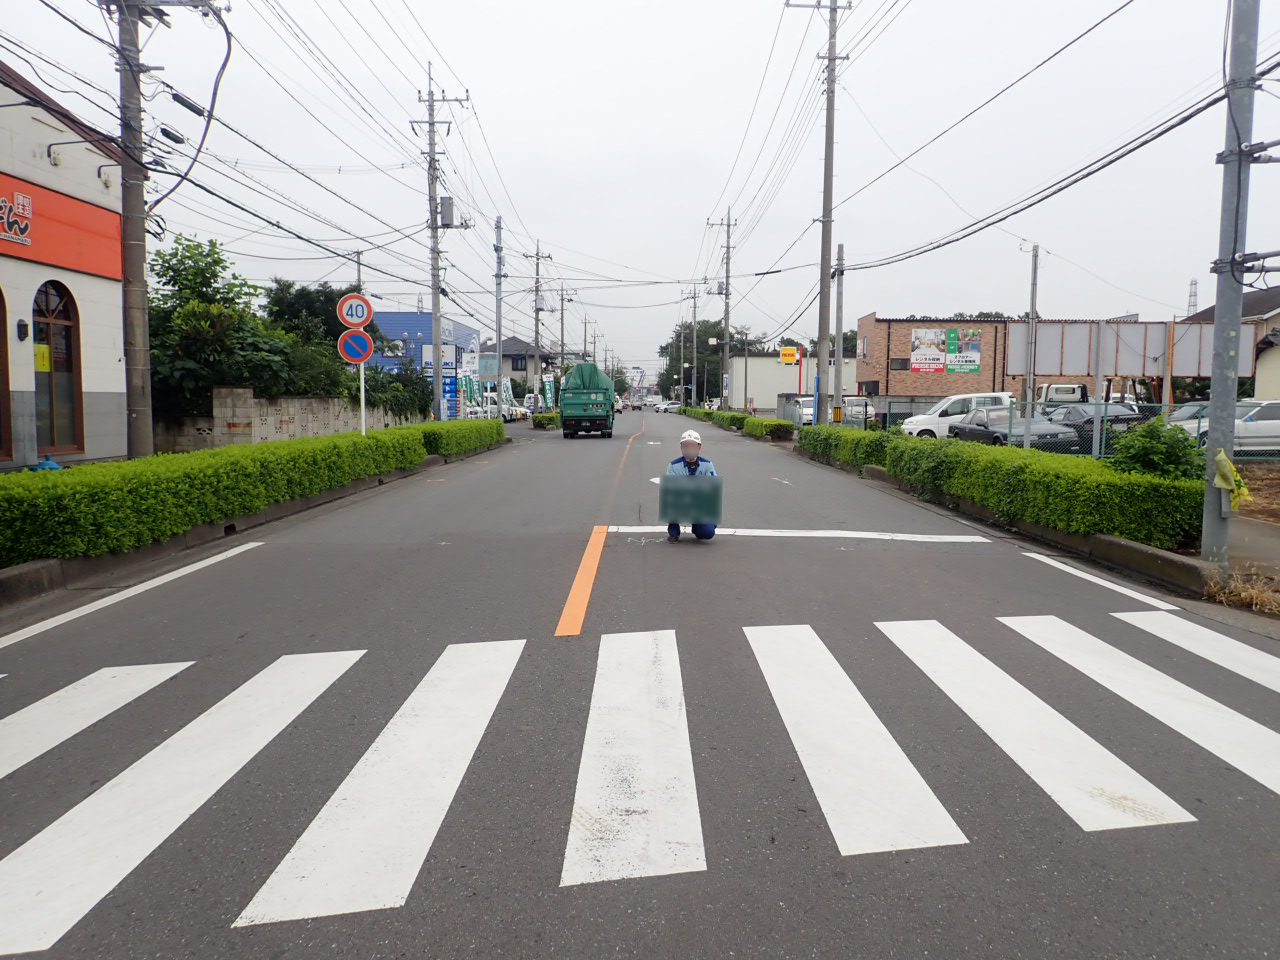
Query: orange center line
x: 575, y: 607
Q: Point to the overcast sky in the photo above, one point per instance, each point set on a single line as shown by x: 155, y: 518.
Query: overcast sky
x: 615, y: 126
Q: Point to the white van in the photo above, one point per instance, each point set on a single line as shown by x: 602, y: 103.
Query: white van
x: 935, y: 421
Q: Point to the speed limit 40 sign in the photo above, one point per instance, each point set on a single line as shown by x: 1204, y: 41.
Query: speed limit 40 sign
x: 355, y: 311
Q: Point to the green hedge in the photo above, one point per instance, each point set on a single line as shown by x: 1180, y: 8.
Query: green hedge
x: 1059, y: 491
x: 766, y: 427
x: 114, y: 507
x: 697, y: 413
x: 851, y: 445
x: 458, y: 437
x: 547, y: 421
x: 729, y: 418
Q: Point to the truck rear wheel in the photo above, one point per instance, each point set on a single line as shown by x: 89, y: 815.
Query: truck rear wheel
x: 608, y: 434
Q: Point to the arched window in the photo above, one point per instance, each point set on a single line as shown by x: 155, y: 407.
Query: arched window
x: 57, y: 346
x: 6, y: 430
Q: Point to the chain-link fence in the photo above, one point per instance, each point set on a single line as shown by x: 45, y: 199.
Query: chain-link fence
x: 1090, y: 428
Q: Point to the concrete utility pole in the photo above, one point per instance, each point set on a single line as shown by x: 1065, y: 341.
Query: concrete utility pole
x: 563, y: 300
x: 585, y: 321
x: 1029, y: 380
x: 1236, y: 160
x: 682, y: 363
x: 497, y: 292
x: 828, y: 175
x: 137, y: 333
x: 433, y: 177
x: 728, y: 225
x: 537, y: 257
x: 359, y: 270
x: 693, y: 379
x: 838, y: 377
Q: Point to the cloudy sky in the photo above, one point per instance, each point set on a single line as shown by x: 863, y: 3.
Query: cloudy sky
x: 612, y: 133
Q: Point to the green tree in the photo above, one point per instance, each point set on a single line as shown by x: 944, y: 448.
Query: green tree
x: 1165, y: 451
x: 309, y: 312
x: 193, y: 272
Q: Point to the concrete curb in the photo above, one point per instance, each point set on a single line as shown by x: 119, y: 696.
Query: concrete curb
x: 1184, y: 574
x: 37, y: 577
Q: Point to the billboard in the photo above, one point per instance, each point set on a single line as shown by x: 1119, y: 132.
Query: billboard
x: 928, y: 346
x: 964, y: 350
x: 788, y: 354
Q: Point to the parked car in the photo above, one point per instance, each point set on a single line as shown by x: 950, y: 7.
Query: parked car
x: 856, y: 411
x: 1082, y: 418
x: 1257, y: 425
x: 667, y: 406
x: 935, y: 421
x: 991, y: 425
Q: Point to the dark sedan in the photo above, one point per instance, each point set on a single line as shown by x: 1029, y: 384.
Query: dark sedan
x: 991, y: 425
x: 1081, y: 417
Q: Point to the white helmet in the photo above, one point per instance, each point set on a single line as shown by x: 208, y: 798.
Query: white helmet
x: 691, y: 435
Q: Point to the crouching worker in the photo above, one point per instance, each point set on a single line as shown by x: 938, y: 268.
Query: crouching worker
x: 692, y: 463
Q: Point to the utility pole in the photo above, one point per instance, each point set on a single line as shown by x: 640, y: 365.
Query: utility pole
x: 728, y: 225
x: 838, y: 380
x: 828, y: 175
x: 693, y: 383
x: 433, y: 177
x: 497, y: 294
x: 1029, y: 381
x: 682, y: 362
x: 1230, y: 266
x: 359, y: 270
x: 537, y: 257
x: 585, y: 321
x: 562, y: 303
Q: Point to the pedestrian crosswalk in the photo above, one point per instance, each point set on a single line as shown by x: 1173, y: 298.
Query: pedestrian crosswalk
x: 634, y: 810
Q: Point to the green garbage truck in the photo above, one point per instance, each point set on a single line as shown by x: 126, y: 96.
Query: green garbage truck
x: 586, y: 401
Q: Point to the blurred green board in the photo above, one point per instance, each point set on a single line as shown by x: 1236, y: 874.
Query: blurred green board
x: 690, y: 499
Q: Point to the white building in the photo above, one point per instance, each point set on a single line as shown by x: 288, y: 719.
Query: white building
x: 62, y: 378
x: 767, y: 376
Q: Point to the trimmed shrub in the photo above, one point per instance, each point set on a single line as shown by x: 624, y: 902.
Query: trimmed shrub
x: 1062, y: 492
x: 728, y: 418
x: 852, y: 445
x: 1158, y: 449
x: 546, y: 421
x: 767, y: 427
x: 456, y: 437
x: 114, y: 507
x: 697, y: 413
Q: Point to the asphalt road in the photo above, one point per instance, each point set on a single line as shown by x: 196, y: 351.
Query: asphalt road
x: 363, y: 738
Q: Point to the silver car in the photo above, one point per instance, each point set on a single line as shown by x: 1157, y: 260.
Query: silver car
x: 1257, y: 425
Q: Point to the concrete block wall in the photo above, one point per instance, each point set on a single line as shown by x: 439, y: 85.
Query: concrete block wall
x: 239, y: 417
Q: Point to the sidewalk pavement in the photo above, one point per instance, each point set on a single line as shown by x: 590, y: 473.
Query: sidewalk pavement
x: 1254, y: 546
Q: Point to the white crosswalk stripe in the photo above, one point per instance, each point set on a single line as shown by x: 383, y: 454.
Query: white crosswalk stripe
x: 365, y: 848
x: 1095, y: 788
x: 1244, y: 743
x: 1235, y: 656
x: 55, y: 878
x: 873, y: 797
x: 634, y: 810
x: 40, y: 727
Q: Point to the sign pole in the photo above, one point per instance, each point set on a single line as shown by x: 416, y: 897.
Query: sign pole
x: 362, y: 422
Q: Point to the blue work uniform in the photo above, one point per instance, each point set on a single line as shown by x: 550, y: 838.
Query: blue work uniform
x: 702, y: 467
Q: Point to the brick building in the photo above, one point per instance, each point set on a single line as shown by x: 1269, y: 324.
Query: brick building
x: 935, y: 357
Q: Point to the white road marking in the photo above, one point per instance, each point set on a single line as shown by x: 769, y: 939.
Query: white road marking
x: 133, y: 591
x: 1235, y: 656
x: 49, y: 883
x: 365, y: 848
x: 1095, y: 788
x: 873, y: 797
x: 635, y: 810
x: 43, y: 725
x: 829, y: 534
x: 657, y: 480
x: 654, y: 443
x: 1244, y: 743
x: 1159, y: 604
x: 780, y: 480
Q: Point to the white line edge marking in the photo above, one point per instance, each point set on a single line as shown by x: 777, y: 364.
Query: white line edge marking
x: 821, y: 534
x: 53, y: 880
x: 39, y: 727
x: 366, y: 846
x: 1110, y: 585
x: 635, y: 804
x: 1217, y: 648
x: 125, y: 594
x: 1093, y: 786
x: 657, y: 480
x: 873, y: 797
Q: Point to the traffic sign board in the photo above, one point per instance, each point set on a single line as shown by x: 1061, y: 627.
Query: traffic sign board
x: 355, y: 310
x: 355, y: 346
